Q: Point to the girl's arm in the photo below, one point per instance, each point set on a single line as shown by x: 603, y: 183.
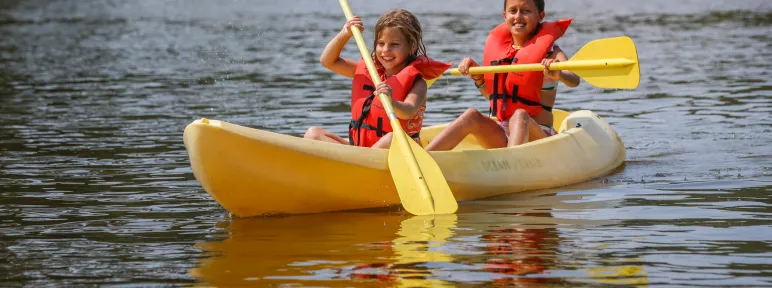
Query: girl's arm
x: 414, y: 100
x: 480, y: 83
x: 565, y: 76
x: 331, y: 55
x: 464, y: 66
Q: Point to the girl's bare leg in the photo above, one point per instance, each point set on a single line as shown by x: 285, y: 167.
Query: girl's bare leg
x: 487, y: 132
x: 523, y: 129
x: 385, y: 141
x: 318, y: 133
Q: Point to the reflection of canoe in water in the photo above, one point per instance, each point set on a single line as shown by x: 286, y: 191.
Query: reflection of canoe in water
x: 372, y: 249
x: 253, y: 172
x: 519, y: 245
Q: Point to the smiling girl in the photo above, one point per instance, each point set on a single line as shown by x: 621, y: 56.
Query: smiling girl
x: 522, y: 101
x: 400, y: 58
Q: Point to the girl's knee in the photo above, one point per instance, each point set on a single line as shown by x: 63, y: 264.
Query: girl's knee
x: 472, y: 117
x: 313, y: 132
x: 521, y: 114
x: 384, y: 142
x: 520, y: 118
x: 471, y: 114
x: 471, y: 111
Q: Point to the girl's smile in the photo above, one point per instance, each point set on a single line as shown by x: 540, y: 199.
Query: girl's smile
x: 392, y: 50
x: 523, y: 17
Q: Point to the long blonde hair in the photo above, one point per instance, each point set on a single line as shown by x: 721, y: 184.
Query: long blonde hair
x: 408, y: 25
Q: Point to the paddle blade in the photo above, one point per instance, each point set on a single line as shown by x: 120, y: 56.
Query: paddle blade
x: 422, y: 187
x: 614, y: 77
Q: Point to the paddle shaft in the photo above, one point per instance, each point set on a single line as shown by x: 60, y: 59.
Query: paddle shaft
x: 610, y: 63
x: 398, y: 135
x: 568, y: 65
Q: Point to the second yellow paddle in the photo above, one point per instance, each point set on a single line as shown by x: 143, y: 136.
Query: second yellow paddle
x: 604, y: 63
x: 419, y: 181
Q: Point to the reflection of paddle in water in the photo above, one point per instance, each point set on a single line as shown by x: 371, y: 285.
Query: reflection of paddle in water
x: 422, y: 240
x: 417, y: 252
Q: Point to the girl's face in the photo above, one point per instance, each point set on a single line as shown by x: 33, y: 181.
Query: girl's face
x: 392, y: 50
x: 522, y: 16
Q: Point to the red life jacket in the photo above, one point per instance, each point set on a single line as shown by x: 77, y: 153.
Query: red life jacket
x: 369, y: 121
x: 519, y: 90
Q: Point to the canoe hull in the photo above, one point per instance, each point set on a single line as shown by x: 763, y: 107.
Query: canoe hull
x: 253, y: 172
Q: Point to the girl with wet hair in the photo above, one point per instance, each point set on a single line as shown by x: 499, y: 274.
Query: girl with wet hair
x: 400, y: 58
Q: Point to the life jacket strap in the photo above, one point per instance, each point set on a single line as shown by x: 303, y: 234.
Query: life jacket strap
x: 360, y: 122
x: 501, y: 93
x: 357, y: 124
x: 498, y: 91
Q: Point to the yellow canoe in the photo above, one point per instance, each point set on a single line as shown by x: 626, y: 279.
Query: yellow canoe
x: 253, y: 172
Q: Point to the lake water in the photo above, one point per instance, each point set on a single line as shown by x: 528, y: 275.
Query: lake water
x: 96, y: 187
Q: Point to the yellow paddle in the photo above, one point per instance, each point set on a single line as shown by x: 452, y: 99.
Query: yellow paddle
x: 419, y: 181
x: 604, y: 63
